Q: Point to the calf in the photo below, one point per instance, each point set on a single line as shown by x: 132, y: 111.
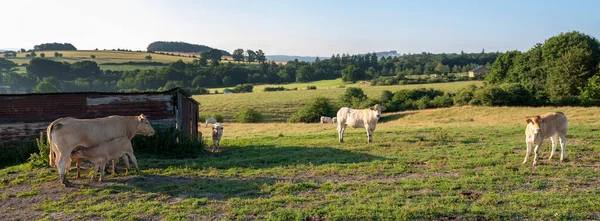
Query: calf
x: 325, y: 119
x: 210, y: 121
x: 551, y: 125
x: 217, y: 134
x: 102, y: 153
x: 366, y: 118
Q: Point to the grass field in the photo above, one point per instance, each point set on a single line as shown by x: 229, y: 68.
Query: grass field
x: 454, y: 163
x: 277, y: 106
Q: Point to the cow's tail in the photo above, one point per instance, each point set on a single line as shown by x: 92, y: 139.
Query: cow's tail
x: 52, y: 153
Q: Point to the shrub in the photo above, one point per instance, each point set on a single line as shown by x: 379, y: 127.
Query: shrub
x: 39, y: 159
x: 203, y: 117
x: 242, y: 88
x: 442, y: 101
x: 218, y: 117
x: 590, y: 95
x: 566, y: 101
x: 248, y: 115
x: 311, y: 87
x: 490, y: 96
x: 423, y: 103
x: 19, y: 154
x: 465, y: 95
x: 516, y: 95
x: 163, y: 144
x: 312, y: 112
x: 352, y: 97
x: 273, y: 89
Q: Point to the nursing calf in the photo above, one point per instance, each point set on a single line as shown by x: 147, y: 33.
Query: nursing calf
x: 366, y: 118
x: 551, y: 125
x: 102, y: 153
x: 217, y: 134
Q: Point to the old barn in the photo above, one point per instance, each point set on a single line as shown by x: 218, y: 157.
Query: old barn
x: 24, y: 116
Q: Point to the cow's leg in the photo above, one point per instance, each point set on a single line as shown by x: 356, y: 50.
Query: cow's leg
x: 52, y: 156
x: 78, y: 164
x: 340, y: 130
x: 563, y: 145
x: 103, y: 165
x: 535, y: 152
x: 369, y: 135
x: 96, y: 169
x: 124, y: 157
x: 137, y: 169
x: 553, y: 140
x: 528, y: 151
x: 63, y: 159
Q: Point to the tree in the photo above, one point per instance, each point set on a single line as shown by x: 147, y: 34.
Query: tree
x: 93, y: 56
x: 260, y: 56
x: 353, y: 96
x: 501, y: 67
x: 214, y: 56
x: 85, y: 69
x: 42, y: 55
x: 250, y: 56
x: 45, y: 87
x: 148, y: 57
x: 351, y: 73
x: 305, y: 74
x: 238, y: 55
x: 23, y: 50
x: 569, y: 73
x: 56, y: 54
x: 6, y: 65
x: 33, y: 54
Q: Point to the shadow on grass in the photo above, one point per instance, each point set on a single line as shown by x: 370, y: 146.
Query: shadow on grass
x: 394, y: 116
x: 186, y: 187
x: 270, y: 156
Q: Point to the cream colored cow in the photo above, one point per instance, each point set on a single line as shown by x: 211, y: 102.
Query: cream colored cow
x: 366, y: 118
x: 66, y: 134
x: 551, y: 125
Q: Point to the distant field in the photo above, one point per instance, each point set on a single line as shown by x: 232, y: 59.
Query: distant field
x: 279, y: 105
x: 103, y: 57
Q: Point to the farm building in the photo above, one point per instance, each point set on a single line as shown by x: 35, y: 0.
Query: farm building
x: 26, y: 115
x: 478, y: 72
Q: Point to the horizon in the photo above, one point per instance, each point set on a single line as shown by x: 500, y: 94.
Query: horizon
x: 306, y: 29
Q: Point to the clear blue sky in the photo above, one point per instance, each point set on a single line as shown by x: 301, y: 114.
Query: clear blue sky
x: 297, y: 27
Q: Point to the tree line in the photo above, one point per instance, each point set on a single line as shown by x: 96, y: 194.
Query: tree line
x: 565, y: 69
x: 176, y: 46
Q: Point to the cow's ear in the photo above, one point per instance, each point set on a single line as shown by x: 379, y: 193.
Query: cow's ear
x: 528, y: 120
x: 372, y: 107
x: 140, y: 117
x: 382, y: 108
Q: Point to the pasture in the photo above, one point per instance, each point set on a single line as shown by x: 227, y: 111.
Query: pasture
x: 460, y: 162
x: 277, y: 106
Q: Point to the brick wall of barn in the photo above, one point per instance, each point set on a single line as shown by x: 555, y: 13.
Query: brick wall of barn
x: 25, y: 116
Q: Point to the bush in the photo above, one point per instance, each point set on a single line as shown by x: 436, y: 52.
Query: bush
x: 19, y: 154
x: 163, y: 144
x: 203, y: 117
x: 490, y: 96
x: 311, y: 87
x: 242, y: 88
x: 590, y: 95
x: 352, y: 97
x: 39, y: 159
x: 423, y: 103
x: 442, y: 101
x: 566, y: 101
x: 517, y: 95
x: 465, y: 95
x: 248, y: 115
x: 273, y: 89
x: 312, y: 112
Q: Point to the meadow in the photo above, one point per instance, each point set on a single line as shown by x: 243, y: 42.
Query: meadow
x: 277, y: 106
x: 452, y: 163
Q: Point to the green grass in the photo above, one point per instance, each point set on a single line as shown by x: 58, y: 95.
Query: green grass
x: 462, y: 162
x: 277, y: 106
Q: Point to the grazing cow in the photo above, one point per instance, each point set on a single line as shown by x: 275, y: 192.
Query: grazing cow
x: 210, y: 121
x: 217, y: 134
x: 106, y: 151
x: 366, y: 118
x: 66, y: 134
x: 334, y: 120
x: 551, y: 125
x: 325, y: 119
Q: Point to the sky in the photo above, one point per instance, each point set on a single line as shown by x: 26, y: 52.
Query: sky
x: 306, y: 27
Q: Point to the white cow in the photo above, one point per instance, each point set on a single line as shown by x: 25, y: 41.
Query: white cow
x: 366, y: 118
x: 551, y: 125
x: 325, y: 119
x: 210, y: 121
x: 217, y: 134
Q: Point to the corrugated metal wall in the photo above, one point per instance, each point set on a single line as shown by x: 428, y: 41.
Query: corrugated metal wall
x: 24, y: 116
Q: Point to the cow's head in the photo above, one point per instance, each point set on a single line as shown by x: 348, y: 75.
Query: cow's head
x: 535, y: 123
x: 144, y: 127
x: 377, y: 110
x: 217, y: 129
